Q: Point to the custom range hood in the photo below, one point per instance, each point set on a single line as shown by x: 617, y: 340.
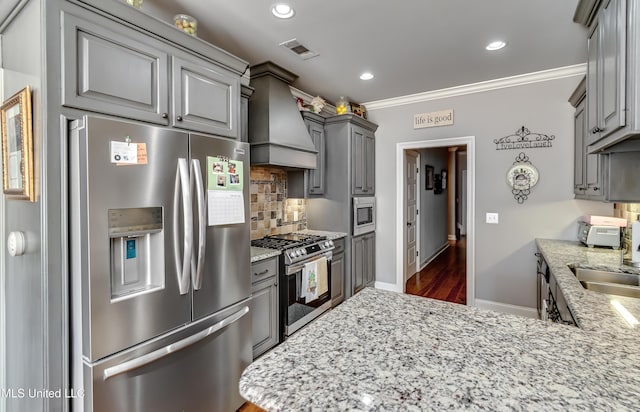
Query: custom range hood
x: 277, y: 133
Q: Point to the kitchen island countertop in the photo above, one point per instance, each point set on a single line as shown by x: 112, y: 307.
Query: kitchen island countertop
x: 382, y: 350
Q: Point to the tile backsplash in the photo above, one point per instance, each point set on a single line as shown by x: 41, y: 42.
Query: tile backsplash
x: 629, y: 211
x: 271, y: 212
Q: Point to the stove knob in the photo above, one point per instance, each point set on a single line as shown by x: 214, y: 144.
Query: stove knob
x: 292, y: 254
x: 303, y: 251
x: 331, y: 243
x: 298, y: 252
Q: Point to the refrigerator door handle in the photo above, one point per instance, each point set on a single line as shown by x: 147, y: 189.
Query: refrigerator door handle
x: 183, y: 267
x: 136, y: 363
x: 196, y: 270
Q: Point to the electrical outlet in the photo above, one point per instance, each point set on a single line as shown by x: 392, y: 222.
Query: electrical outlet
x: 492, y: 218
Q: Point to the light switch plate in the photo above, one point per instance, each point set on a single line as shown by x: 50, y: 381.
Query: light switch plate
x: 492, y: 218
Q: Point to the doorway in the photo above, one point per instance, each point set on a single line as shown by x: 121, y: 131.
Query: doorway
x: 450, y: 189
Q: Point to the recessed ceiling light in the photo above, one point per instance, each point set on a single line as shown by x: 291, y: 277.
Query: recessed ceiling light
x: 495, y: 45
x: 282, y: 11
x: 366, y: 76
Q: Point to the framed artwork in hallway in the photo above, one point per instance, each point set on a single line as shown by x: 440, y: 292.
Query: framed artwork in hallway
x: 428, y: 178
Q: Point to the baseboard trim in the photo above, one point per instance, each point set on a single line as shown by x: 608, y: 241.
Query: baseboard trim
x: 452, y: 237
x: 507, y: 308
x: 435, y: 255
x: 388, y: 286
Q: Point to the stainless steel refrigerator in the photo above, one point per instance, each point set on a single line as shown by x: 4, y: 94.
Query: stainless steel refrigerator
x: 160, y: 285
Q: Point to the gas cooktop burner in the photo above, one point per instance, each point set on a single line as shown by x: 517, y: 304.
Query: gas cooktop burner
x: 286, y: 241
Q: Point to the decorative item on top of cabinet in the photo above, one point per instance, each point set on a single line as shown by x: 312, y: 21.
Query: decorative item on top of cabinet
x: 264, y: 305
x: 613, y: 71
x: 114, y: 69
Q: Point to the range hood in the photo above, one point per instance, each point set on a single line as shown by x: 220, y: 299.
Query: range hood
x: 277, y: 133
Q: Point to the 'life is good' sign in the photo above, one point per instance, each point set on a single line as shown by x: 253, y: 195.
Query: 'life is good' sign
x: 433, y: 119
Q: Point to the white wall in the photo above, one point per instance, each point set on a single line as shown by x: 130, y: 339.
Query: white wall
x: 504, y: 260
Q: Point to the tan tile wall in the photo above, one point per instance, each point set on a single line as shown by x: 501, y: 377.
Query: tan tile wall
x: 271, y: 212
x: 629, y: 211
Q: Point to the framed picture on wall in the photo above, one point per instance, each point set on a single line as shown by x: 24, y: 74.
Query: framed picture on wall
x: 428, y: 177
x: 444, y: 179
x: 17, y: 146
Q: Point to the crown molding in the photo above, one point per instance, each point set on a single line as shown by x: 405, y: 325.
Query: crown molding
x: 519, y: 80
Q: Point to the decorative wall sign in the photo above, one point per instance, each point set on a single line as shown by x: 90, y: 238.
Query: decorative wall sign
x: 433, y: 119
x: 17, y: 146
x: 524, y: 139
x: 522, y: 176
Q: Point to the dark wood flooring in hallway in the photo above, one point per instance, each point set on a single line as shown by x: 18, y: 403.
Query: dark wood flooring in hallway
x: 445, y: 278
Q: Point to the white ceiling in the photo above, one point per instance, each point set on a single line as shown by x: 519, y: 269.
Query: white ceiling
x: 411, y: 46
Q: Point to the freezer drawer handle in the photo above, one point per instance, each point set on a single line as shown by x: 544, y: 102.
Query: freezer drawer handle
x: 183, y: 268
x: 136, y: 363
x: 196, y: 270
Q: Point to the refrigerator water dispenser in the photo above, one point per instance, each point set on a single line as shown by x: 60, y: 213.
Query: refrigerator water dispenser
x: 137, y: 251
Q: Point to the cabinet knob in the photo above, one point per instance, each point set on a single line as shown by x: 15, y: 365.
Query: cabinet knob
x: 409, y: 224
x: 595, y: 189
x: 596, y: 130
x: 165, y: 115
x: 179, y: 118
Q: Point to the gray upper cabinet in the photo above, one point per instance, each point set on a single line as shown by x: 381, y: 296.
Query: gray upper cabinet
x: 316, y: 177
x: 206, y: 98
x: 613, y: 71
x: 588, y: 181
x: 111, y: 71
x: 363, y: 164
x: 606, y: 67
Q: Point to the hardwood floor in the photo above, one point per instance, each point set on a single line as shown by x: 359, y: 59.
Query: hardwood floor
x: 249, y: 407
x: 445, y: 278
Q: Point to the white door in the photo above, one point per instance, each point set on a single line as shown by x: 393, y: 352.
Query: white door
x: 410, y: 211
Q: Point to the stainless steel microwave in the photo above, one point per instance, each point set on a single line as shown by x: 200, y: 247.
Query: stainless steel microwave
x: 364, y: 215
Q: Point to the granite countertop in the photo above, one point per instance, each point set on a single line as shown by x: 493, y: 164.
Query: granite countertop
x: 329, y: 235
x: 260, y: 253
x: 592, y: 310
x: 383, y: 351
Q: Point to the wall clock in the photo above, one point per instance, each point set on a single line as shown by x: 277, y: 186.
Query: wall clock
x: 521, y: 177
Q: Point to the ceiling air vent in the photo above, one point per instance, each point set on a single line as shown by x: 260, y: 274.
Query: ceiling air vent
x: 303, y: 51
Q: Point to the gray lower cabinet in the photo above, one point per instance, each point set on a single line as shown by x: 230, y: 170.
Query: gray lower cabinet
x: 113, y: 69
x: 337, y: 273
x: 264, y: 305
x: 363, y: 261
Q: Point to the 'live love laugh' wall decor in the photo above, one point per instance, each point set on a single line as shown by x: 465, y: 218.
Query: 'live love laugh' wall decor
x: 524, y: 139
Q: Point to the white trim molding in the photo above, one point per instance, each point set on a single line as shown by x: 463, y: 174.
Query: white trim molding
x: 444, y: 247
x: 519, y: 80
x: 468, y: 141
x: 452, y: 237
x: 388, y: 286
x: 507, y: 308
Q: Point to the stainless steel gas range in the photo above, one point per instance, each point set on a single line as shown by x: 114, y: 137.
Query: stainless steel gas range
x: 304, y: 280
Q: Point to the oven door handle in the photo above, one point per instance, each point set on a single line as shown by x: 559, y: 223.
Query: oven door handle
x: 293, y: 269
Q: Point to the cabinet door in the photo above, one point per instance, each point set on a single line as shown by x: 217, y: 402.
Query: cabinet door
x: 264, y: 315
x: 315, y: 177
x: 357, y: 263
x: 206, y: 98
x: 593, y: 85
x: 370, y: 261
x: 579, y: 181
x: 337, y: 279
x: 109, y: 68
x: 594, y: 169
x: 369, y: 150
x: 612, y: 64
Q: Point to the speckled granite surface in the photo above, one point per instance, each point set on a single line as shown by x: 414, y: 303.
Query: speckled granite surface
x: 260, y: 253
x: 386, y: 351
x: 329, y: 235
x: 592, y: 310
